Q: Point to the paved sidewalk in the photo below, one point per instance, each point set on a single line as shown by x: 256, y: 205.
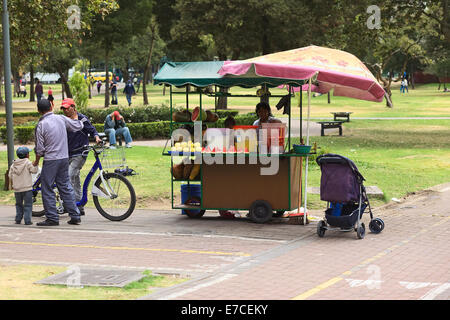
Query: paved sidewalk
x: 238, y: 259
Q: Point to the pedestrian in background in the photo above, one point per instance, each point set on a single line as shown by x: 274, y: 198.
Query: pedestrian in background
x: 38, y: 90
x: 50, y: 96
x: 22, y: 183
x: 51, y: 144
x: 114, y: 92
x: 129, y: 91
x: 99, y: 86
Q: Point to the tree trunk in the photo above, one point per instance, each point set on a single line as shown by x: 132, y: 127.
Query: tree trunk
x: 222, y: 101
x: 32, y: 83
x: 65, y: 85
x: 89, y: 79
x: 125, y: 73
x: 148, y: 65
x: 107, y: 78
x: 2, y: 102
x: 329, y: 98
x: 16, y: 82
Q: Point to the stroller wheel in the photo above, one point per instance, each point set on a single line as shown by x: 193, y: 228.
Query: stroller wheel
x: 361, y: 231
x: 376, y: 225
x: 321, y: 228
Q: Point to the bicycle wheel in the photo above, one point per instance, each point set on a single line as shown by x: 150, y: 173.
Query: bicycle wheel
x: 38, y: 206
x: 121, y: 205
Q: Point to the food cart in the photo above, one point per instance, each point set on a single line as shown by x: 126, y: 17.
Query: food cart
x: 241, y: 186
x: 236, y: 186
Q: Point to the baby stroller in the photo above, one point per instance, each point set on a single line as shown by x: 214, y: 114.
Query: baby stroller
x: 341, y: 185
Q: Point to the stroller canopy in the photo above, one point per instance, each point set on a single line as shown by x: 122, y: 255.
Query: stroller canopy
x: 340, y: 181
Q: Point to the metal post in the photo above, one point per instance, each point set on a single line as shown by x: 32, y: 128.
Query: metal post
x: 8, y: 94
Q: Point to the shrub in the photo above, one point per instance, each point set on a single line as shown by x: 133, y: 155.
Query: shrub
x: 79, y: 89
x: 138, y: 130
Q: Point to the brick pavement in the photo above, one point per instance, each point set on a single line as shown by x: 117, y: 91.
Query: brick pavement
x: 237, y: 259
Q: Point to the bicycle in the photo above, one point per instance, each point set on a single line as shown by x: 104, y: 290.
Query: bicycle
x: 106, y: 191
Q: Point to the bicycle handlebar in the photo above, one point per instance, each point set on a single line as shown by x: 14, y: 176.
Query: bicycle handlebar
x: 87, y: 148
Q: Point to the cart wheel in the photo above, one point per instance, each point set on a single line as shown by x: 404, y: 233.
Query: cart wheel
x: 361, y: 231
x: 279, y: 213
x: 260, y: 211
x: 194, y: 213
x: 376, y: 225
x: 321, y: 228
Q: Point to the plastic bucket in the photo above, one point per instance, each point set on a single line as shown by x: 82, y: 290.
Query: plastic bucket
x: 188, y: 191
x: 250, y: 139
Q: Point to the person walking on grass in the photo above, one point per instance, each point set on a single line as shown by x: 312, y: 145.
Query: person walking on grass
x: 129, y: 91
x: 114, y: 92
x: 38, y: 90
x: 76, y: 140
x: 99, y: 86
x: 51, y: 144
x: 22, y: 183
x: 405, y: 85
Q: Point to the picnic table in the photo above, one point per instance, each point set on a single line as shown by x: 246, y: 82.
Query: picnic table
x: 329, y: 125
x: 345, y: 115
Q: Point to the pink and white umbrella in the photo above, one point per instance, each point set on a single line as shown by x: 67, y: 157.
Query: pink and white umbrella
x: 337, y: 70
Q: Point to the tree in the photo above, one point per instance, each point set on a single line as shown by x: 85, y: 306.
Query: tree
x: 117, y: 29
x: 37, y: 24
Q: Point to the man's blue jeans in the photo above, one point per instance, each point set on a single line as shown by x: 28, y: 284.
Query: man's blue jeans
x: 114, y: 96
x: 57, y: 171
x: 112, y: 133
x: 129, y: 98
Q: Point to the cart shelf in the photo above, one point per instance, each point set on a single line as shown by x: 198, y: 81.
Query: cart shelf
x: 185, y: 206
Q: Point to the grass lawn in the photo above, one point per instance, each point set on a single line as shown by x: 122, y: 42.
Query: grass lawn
x: 17, y: 283
x: 398, y: 156
x: 424, y: 101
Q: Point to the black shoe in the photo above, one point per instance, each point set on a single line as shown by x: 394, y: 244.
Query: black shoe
x: 81, y: 209
x: 17, y: 222
x: 47, y: 223
x: 28, y: 223
x: 74, y: 221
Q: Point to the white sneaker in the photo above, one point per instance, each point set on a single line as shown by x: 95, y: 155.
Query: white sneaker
x: 112, y: 147
x: 127, y: 145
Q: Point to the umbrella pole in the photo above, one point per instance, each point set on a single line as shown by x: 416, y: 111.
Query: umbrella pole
x: 305, y: 218
x: 301, y: 122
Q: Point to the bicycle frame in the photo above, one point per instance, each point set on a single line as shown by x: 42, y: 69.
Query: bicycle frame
x: 95, y: 191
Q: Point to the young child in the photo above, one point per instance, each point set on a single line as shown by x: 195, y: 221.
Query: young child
x: 50, y: 96
x: 21, y: 180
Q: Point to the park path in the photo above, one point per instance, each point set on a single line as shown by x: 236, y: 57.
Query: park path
x: 240, y: 260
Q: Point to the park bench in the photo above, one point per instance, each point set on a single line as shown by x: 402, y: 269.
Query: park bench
x: 344, y: 115
x: 104, y: 137
x: 329, y: 125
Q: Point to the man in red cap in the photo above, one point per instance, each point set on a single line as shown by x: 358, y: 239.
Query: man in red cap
x: 76, y: 141
x: 114, y: 126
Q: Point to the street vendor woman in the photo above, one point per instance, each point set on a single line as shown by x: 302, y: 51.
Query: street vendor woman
x: 264, y: 114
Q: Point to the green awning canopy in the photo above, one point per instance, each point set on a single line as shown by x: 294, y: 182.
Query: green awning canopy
x: 205, y: 73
